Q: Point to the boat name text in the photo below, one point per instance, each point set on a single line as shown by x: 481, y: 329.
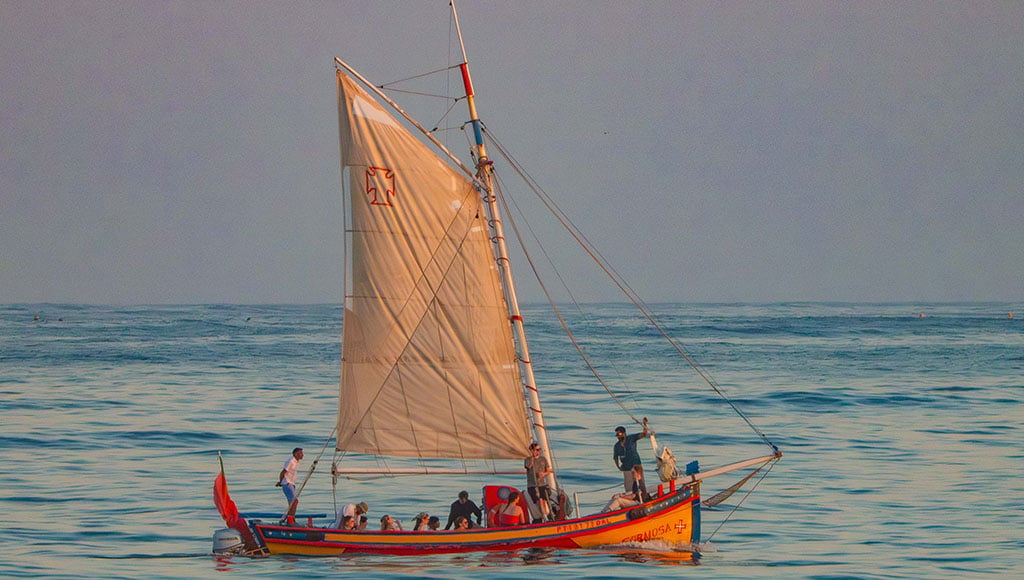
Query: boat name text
x: 582, y: 526
x: 655, y: 532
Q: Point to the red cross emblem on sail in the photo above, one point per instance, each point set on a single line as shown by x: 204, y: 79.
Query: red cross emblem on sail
x: 380, y: 185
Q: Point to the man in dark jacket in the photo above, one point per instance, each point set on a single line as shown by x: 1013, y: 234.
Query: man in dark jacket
x: 463, y: 507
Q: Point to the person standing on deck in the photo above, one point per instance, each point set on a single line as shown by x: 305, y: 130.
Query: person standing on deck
x: 537, y: 469
x: 625, y: 456
x: 286, y: 481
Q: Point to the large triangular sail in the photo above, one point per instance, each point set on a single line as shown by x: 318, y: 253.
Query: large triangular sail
x: 429, y: 368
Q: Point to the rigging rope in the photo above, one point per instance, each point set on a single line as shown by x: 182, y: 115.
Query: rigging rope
x: 558, y: 313
x: 771, y: 465
x: 312, y: 468
x: 316, y: 460
x: 729, y: 491
x: 419, y: 76
x: 618, y: 280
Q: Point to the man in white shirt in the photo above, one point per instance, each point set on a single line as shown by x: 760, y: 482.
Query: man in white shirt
x: 286, y: 481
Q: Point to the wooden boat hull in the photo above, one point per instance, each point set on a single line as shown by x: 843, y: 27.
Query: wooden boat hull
x: 673, y: 518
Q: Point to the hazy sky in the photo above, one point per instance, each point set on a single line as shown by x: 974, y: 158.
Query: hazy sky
x: 182, y: 152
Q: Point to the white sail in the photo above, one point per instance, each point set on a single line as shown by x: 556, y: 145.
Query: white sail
x: 429, y: 367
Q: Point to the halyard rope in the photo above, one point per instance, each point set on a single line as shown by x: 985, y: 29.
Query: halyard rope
x: 602, y: 263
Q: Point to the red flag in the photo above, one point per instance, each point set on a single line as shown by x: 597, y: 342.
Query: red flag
x: 223, y: 501
x: 229, y: 511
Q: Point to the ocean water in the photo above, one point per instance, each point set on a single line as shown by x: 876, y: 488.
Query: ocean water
x: 901, y: 426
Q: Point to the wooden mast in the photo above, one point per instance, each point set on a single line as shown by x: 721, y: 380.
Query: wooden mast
x: 483, y: 173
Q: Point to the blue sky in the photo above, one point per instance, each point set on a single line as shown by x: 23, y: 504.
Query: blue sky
x: 186, y: 152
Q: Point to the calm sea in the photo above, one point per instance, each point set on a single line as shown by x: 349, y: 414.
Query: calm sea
x: 901, y: 426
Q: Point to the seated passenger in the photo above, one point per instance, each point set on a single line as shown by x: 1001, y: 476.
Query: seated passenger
x: 421, y: 522
x: 636, y: 497
x: 463, y: 507
x: 510, y: 513
x: 461, y: 523
x: 492, y: 514
x: 620, y: 501
x: 387, y: 524
x: 358, y: 513
x: 434, y: 523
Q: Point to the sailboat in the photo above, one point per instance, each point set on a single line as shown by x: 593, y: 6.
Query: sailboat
x: 435, y: 360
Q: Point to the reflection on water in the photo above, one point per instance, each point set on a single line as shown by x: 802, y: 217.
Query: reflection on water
x: 666, y: 558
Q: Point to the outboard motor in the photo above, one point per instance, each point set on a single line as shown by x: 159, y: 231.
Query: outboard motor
x: 228, y: 541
